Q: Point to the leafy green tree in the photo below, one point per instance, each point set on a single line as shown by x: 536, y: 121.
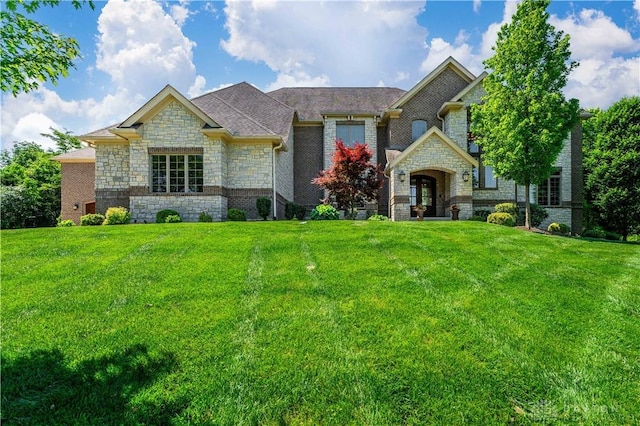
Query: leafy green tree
x: 613, y: 183
x: 30, y: 187
x: 30, y: 52
x: 65, y: 142
x: 524, y: 119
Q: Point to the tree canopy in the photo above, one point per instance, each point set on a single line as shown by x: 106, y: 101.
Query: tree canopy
x: 352, y: 179
x: 613, y: 167
x: 30, y: 52
x: 30, y: 182
x: 524, y: 118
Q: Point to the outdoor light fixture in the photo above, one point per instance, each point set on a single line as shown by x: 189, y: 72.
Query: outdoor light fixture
x: 465, y: 176
x: 402, y: 175
x: 75, y: 206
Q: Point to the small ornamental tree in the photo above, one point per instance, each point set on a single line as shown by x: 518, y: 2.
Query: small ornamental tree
x: 524, y: 119
x: 352, y: 179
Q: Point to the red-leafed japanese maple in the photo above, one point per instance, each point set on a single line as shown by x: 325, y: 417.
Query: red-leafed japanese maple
x: 352, y: 179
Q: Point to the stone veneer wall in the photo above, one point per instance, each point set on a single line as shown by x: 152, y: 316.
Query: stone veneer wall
x: 78, y: 187
x: 562, y: 213
x: 307, y: 163
x: 433, y: 155
x: 112, y: 176
x: 175, y: 128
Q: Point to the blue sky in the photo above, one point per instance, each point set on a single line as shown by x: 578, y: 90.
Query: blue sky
x: 131, y: 50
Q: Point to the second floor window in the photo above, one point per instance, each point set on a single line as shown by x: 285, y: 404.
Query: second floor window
x: 418, y: 128
x: 350, y: 133
x: 176, y: 173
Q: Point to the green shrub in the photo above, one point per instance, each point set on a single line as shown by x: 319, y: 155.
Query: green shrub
x: 379, y: 217
x: 236, y: 215
x: 66, y: 223
x: 117, y: 216
x: 290, y: 210
x: 538, y: 215
x: 478, y: 218
x: 324, y: 212
x: 511, y: 208
x: 613, y: 236
x: 205, y: 217
x: 173, y: 218
x: 161, y: 216
x: 301, y: 212
x: 558, y: 229
x: 91, y: 219
x: 502, y: 218
x: 595, y: 232
x: 484, y: 214
x: 263, y: 204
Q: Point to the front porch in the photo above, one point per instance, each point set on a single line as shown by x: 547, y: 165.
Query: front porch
x: 433, y: 172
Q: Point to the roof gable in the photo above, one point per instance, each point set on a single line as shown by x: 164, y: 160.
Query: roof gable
x: 450, y: 63
x: 159, y: 101
x: 434, y: 131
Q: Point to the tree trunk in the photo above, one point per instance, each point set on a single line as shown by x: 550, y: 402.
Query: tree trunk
x: 527, y: 206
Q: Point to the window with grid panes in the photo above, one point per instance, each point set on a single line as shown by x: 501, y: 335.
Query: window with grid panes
x: 176, y: 173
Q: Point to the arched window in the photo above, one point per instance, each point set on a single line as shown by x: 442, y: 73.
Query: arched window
x: 418, y: 128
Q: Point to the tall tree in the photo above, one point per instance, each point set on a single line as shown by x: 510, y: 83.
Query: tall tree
x: 30, y: 52
x: 352, y: 179
x: 613, y: 162
x: 524, y: 119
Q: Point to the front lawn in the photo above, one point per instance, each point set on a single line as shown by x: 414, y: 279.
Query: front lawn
x: 318, y: 323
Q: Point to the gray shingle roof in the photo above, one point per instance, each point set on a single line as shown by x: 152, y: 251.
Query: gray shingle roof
x: 244, y: 110
x: 312, y: 102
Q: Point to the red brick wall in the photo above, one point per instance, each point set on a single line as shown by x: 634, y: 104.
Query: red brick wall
x: 78, y: 187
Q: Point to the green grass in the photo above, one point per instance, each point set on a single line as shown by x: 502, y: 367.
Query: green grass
x: 318, y: 323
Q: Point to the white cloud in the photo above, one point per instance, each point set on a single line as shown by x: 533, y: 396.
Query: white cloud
x: 636, y: 6
x: 29, y: 127
x: 298, y: 79
x: 606, y: 72
x: 140, y: 47
x: 476, y: 5
x: 595, y: 35
x: 305, y: 42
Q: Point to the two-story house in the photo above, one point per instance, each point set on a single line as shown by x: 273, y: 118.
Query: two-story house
x: 226, y: 148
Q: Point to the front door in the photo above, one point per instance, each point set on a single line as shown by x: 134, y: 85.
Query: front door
x: 423, y: 191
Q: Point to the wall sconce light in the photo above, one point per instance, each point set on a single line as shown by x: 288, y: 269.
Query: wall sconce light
x: 402, y: 175
x: 76, y: 206
x: 465, y: 176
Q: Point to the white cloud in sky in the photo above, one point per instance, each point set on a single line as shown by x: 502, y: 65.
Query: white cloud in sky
x: 598, y: 43
x: 337, y: 43
x: 140, y: 46
x: 30, y: 127
x: 476, y: 5
x: 636, y: 6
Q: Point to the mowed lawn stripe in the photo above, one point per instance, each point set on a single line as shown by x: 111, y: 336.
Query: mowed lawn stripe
x: 318, y: 323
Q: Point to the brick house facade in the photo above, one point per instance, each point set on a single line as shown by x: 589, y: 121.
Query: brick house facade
x: 226, y: 148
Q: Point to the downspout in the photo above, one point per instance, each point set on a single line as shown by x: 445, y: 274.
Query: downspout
x: 273, y: 174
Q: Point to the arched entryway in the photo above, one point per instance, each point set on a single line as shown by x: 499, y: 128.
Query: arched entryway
x: 422, y: 190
